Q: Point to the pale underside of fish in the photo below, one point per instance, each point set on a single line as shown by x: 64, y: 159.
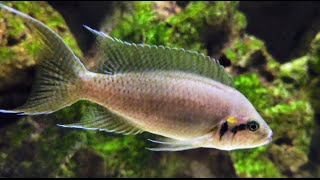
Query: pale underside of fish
x: 179, y: 94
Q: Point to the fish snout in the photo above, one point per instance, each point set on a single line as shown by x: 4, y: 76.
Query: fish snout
x: 270, y: 136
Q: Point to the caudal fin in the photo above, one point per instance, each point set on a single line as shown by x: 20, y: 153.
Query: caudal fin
x: 57, y: 74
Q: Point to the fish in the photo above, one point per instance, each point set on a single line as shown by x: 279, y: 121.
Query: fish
x: 185, y: 98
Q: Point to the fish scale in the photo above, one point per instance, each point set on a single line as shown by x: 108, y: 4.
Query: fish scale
x: 161, y: 98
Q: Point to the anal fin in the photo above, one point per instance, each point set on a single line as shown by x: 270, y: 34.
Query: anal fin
x: 101, y: 119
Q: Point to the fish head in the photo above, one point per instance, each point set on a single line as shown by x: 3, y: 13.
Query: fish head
x: 242, y: 127
x: 250, y: 132
x: 241, y: 132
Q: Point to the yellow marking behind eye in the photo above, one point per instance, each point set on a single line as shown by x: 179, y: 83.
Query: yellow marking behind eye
x: 232, y: 120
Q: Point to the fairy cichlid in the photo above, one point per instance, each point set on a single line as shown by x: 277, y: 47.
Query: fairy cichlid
x: 181, y: 95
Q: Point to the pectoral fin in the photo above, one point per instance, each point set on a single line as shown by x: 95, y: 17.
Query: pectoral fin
x: 169, y: 144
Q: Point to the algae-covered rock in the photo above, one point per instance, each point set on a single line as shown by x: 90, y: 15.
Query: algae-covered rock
x: 283, y: 105
x: 314, y: 71
x: 33, y: 146
x: 18, y: 47
x: 314, y: 95
x: 201, y: 26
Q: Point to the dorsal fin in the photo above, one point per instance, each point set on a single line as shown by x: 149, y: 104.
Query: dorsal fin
x: 115, y: 56
x: 102, y: 119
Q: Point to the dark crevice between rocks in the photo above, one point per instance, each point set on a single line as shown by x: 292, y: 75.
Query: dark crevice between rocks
x: 15, y: 94
x: 284, y: 141
x: 90, y: 164
x: 269, y: 77
x: 240, y: 70
x: 287, y: 27
x: 216, y: 38
x: 182, y: 4
x: 79, y: 13
x: 12, y: 41
x: 259, y: 62
x: 287, y: 173
x: 224, y: 61
x: 215, y: 41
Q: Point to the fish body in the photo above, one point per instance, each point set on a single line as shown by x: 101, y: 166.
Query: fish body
x: 181, y: 95
x: 171, y: 99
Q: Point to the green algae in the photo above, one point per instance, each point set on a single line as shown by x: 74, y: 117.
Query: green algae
x: 292, y: 121
x: 32, y: 134
x: 14, y: 28
x: 254, y: 163
x: 290, y: 116
x: 242, y: 48
x: 314, y: 69
x: 182, y: 29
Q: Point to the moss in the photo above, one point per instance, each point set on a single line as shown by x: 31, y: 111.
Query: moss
x: 53, y: 20
x: 124, y: 155
x: 181, y: 30
x: 44, y: 147
x: 291, y: 119
x: 250, y: 85
x: 296, y: 71
x: 6, y: 54
x: 314, y: 71
x: 284, y: 105
x: 17, y: 45
x: 40, y: 146
x: 23, y: 49
x: 242, y: 48
x: 255, y: 163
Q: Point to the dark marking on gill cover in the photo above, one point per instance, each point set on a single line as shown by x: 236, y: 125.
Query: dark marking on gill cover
x: 223, y: 129
x: 238, y: 128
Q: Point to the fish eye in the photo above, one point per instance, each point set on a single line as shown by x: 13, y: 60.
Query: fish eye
x: 252, y: 125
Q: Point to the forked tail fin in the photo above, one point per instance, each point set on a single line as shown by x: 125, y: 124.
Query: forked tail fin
x: 57, y: 75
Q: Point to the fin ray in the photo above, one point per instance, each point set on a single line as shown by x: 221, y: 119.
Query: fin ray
x: 169, y: 144
x: 57, y: 70
x: 116, y: 56
x: 173, y: 148
x: 102, y: 119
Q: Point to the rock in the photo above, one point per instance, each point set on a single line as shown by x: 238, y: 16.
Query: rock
x: 89, y: 164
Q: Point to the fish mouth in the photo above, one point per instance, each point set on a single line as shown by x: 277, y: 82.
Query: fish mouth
x: 266, y: 141
x: 269, y: 138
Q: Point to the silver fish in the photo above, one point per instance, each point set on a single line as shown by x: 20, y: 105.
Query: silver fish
x: 181, y: 95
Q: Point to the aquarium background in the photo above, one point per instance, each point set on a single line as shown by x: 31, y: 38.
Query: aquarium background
x: 271, y: 49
